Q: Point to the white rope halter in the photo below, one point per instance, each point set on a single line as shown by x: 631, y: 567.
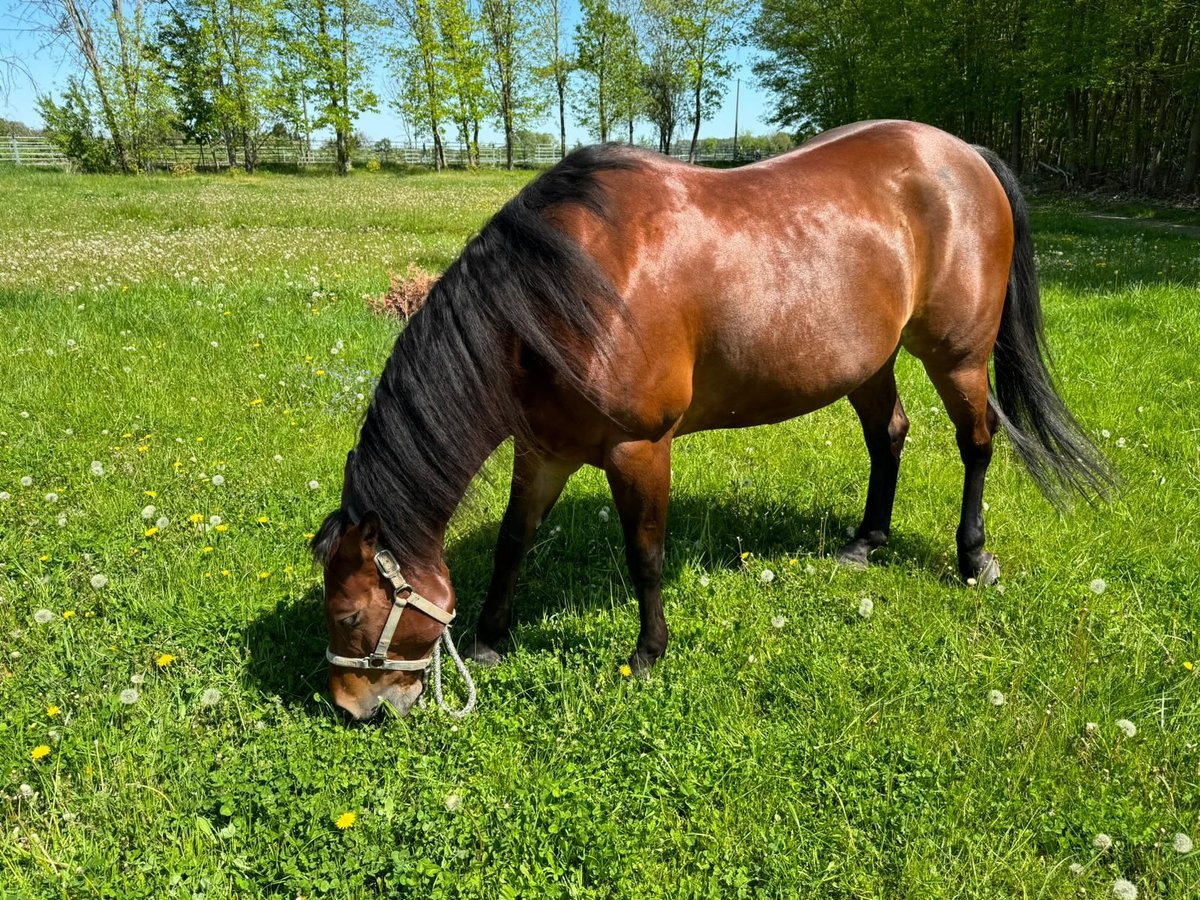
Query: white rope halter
x: 404, y: 595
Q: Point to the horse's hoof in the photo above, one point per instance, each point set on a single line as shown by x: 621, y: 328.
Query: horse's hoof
x: 483, y: 654
x: 855, y: 555
x: 986, y: 571
x: 641, y: 663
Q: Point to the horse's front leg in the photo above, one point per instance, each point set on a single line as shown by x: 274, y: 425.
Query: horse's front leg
x: 639, y: 473
x: 537, y: 483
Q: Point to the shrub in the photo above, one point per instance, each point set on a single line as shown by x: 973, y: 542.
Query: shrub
x: 373, y: 165
x: 181, y: 169
x: 405, y: 294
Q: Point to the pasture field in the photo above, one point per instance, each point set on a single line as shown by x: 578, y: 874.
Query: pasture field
x: 202, y: 346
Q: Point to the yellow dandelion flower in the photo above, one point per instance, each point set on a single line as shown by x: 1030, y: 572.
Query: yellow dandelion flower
x: 208, y: 549
x: 308, y: 535
x: 196, y: 518
x: 200, y: 440
x: 626, y: 671
x: 221, y: 529
x: 745, y: 554
x: 346, y: 820
x: 69, y: 614
x: 41, y: 751
x: 127, y: 434
x: 263, y: 576
x: 52, y: 711
x: 45, y: 557
x: 257, y: 401
x: 143, y: 449
x: 308, y: 359
x: 151, y: 494
x: 164, y: 660
x: 263, y: 520
x: 225, y: 573
x: 1188, y: 665
x: 288, y: 570
x: 320, y: 373
x: 152, y: 531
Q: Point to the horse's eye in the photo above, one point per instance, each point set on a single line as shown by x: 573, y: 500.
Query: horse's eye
x: 349, y: 621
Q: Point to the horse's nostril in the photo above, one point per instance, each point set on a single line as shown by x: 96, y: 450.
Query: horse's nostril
x: 352, y: 717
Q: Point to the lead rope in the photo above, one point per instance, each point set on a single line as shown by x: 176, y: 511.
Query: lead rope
x: 462, y: 670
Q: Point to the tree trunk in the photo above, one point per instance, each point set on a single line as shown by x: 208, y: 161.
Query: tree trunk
x: 562, y: 116
x: 696, y: 128
x: 343, y: 151
x: 1192, y: 160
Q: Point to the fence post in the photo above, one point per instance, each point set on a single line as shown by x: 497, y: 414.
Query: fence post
x: 16, y: 150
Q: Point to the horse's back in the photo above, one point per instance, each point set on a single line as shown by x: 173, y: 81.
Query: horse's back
x: 765, y: 292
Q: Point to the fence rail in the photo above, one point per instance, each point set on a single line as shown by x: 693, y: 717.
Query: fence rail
x: 35, y: 150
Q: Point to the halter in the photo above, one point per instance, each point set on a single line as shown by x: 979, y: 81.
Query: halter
x: 404, y: 595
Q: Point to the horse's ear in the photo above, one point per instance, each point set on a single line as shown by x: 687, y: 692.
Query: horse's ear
x: 369, y: 528
x: 346, y: 480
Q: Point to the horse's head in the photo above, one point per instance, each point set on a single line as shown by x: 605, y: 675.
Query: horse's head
x: 383, y: 622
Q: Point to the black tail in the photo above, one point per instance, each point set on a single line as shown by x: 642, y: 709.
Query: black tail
x: 1058, y: 455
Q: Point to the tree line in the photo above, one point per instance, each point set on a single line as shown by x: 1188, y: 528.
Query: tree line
x: 1097, y: 91
x: 234, y: 73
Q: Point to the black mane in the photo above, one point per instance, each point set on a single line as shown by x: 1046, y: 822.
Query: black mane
x: 445, y: 399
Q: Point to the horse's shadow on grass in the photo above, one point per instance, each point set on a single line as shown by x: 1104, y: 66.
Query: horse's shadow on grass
x: 581, y: 564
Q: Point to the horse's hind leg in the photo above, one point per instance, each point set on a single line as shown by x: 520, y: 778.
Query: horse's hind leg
x: 964, y: 390
x: 639, y: 473
x: 884, y: 427
x: 536, y: 485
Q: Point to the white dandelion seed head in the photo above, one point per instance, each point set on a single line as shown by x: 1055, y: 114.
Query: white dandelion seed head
x: 314, y: 485
x: 1121, y: 442
x: 62, y: 521
x: 603, y: 514
x: 218, y: 480
x: 1091, y: 727
x: 43, y: 617
x: 704, y: 581
x: 26, y: 481
x: 1127, y: 728
x: 767, y: 576
x: 214, y: 521
x: 866, y: 606
x: 162, y: 522
x: 996, y: 698
x: 810, y: 569
x: 26, y: 792
x: 452, y: 802
x: 210, y: 697
x: 24, y: 414
x: 97, y: 468
x: 129, y: 696
x: 1182, y: 843
x: 278, y: 458
x: 1124, y: 890
x: 137, y: 679
x: 99, y: 582
x: 778, y: 621
x: 1075, y: 869
x: 5, y: 496
x: 1098, y: 586
x: 148, y: 512
x: 213, y: 344
x: 52, y: 497
x: 1102, y: 841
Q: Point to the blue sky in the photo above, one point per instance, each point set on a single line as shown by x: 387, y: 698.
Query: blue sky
x: 49, y: 69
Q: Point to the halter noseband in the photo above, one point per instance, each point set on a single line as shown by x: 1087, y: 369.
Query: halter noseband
x: 390, y: 570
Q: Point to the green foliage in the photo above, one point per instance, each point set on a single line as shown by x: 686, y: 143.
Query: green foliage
x: 73, y: 131
x: 607, y: 62
x: 785, y: 746
x: 1090, y: 91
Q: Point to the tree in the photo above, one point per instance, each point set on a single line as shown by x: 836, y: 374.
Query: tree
x: 509, y: 28
x: 606, y: 58
x: 463, y: 58
x: 326, y: 39
x: 110, y: 44
x: 421, y: 98
x: 664, y: 85
x: 557, y: 64
x: 706, y: 31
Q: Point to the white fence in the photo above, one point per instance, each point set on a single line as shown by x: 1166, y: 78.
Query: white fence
x: 39, y: 151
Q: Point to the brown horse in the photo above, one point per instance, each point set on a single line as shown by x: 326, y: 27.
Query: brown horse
x: 622, y: 300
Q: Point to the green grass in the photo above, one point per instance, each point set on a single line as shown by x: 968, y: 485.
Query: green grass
x: 832, y: 756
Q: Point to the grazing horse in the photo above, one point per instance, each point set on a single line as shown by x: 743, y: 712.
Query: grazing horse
x: 622, y: 300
